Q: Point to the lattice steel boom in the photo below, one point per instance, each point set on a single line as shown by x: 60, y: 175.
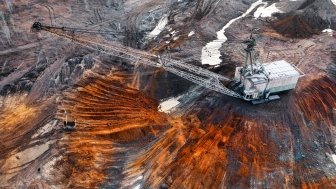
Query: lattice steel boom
x: 187, y: 71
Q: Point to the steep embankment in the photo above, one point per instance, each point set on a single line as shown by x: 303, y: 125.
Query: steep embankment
x: 309, y: 19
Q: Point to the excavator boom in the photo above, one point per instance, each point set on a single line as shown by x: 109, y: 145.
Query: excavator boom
x: 195, y: 74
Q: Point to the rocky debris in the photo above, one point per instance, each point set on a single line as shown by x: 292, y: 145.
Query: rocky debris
x: 122, y: 141
x: 70, y: 73
x: 310, y: 18
x: 297, y: 26
x: 6, y: 72
x: 25, y: 83
x: 71, y: 70
x: 332, y: 67
x: 325, y: 9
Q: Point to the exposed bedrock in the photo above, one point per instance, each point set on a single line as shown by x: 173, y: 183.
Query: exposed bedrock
x: 122, y: 140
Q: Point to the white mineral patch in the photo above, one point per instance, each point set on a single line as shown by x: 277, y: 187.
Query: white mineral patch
x: 266, y: 11
x: 210, y: 53
x: 168, y: 105
x: 159, y: 27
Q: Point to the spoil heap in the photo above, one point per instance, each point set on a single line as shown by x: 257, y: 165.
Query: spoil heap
x: 296, y: 26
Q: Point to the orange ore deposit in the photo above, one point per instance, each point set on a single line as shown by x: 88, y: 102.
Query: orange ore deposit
x: 89, y: 103
x: 121, y: 140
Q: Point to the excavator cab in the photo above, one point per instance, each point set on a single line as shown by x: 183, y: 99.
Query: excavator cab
x: 68, y: 125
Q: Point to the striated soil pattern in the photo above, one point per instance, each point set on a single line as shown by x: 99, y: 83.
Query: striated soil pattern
x: 121, y: 139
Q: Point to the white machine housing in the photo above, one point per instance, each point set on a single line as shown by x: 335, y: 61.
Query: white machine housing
x: 266, y: 79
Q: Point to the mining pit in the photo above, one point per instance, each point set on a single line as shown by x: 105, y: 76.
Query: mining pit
x: 125, y: 135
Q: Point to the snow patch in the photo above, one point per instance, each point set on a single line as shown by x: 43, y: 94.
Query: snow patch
x: 210, y: 53
x: 266, y: 11
x: 334, y: 1
x: 159, y: 27
x: 45, y: 129
x: 191, y: 33
x: 333, y: 158
x: 137, y: 186
x: 168, y: 105
x: 329, y: 31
